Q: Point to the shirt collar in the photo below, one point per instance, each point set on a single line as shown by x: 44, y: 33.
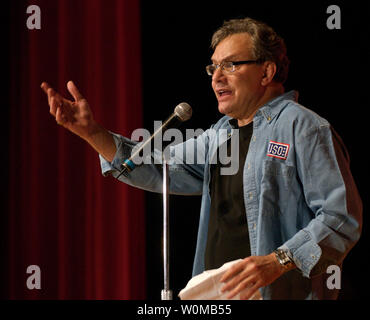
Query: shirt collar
x: 270, y: 109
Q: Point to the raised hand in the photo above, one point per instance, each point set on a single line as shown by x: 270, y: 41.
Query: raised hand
x: 76, y: 115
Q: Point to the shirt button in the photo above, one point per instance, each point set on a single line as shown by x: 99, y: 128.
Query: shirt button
x: 254, y: 138
x: 250, y: 195
x: 249, y: 165
x: 254, y: 226
x: 313, y: 256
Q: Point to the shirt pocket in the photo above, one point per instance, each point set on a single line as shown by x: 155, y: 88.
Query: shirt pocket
x: 277, y: 174
x: 276, y: 187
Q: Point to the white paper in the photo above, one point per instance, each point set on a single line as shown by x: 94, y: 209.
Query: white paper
x: 207, y: 286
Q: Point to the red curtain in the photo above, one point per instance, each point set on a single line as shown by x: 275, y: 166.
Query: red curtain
x: 84, y: 231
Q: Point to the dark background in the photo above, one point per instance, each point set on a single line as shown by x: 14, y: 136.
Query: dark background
x: 329, y: 68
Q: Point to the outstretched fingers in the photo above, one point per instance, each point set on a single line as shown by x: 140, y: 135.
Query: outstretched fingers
x: 53, y: 104
x: 45, y: 86
x: 55, y: 100
x: 74, y: 91
x: 59, y: 117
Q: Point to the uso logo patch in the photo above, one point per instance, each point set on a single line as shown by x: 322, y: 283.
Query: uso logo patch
x: 278, y: 150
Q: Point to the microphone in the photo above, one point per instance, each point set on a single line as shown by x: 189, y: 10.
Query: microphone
x: 182, y: 112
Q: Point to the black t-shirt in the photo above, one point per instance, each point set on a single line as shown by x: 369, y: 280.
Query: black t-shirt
x: 228, y: 237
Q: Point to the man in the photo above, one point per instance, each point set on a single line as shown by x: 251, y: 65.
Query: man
x: 290, y: 211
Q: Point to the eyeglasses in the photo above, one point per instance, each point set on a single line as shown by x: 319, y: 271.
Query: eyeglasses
x: 228, y: 66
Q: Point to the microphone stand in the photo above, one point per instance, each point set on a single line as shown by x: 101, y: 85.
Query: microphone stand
x: 166, y: 293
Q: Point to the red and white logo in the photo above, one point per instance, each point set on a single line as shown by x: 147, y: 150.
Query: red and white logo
x: 278, y: 150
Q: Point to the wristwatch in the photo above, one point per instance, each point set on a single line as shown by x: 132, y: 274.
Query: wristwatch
x: 283, y: 258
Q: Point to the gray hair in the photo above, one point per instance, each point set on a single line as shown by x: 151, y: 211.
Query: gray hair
x: 267, y: 45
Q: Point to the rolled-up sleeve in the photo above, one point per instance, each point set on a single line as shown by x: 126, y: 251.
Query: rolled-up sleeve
x: 331, y: 193
x: 124, y: 147
x: 185, y: 178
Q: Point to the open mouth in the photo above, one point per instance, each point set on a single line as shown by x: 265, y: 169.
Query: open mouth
x: 223, y: 93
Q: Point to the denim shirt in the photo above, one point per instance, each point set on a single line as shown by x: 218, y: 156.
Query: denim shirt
x: 299, y: 193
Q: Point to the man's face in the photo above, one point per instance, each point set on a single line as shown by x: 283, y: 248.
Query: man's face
x: 237, y: 92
